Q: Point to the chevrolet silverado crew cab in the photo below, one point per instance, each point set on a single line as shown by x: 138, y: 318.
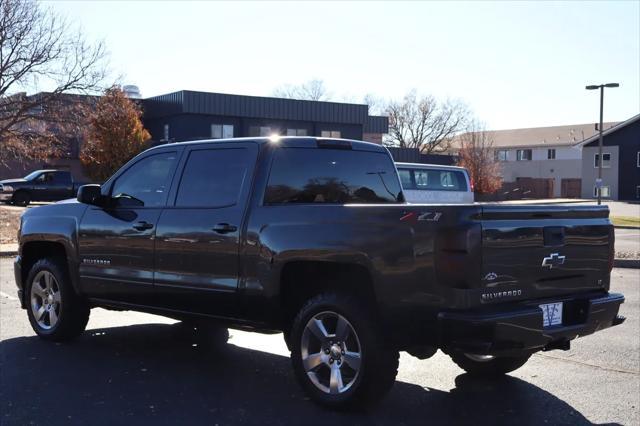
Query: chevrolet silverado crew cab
x: 312, y: 237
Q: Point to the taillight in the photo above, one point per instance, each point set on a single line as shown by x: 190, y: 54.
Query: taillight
x: 471, y: 184
x: 612, y: 246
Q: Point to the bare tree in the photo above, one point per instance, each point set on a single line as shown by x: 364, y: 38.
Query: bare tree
x: 476, y: 154
x: 39, y: 49
x: 425, y: 123
x: 312, y: 90
x: 377, y: 105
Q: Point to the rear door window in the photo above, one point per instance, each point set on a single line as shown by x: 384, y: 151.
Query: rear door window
x: 405, y: 178
x: 434, y: 179
x: 62, y: 178
x: 332, y: 176
x: 213, y: 177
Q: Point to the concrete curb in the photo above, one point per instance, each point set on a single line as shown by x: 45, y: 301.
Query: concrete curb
x: 626, y: 263
x: 626, y: 227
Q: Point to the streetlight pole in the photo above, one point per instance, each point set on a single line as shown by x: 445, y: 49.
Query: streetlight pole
x: 599, y: 180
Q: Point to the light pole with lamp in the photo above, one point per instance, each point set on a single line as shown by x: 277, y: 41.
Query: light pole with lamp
x: 599, y: 180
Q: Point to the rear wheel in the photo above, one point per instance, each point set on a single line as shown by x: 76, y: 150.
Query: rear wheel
x: 21, y: 198
x: 55, y: 311
x: 338, y: 353
x: 488, y: 365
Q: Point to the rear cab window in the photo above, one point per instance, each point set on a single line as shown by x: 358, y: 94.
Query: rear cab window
x: 433, y: 179
x: 332, y: 176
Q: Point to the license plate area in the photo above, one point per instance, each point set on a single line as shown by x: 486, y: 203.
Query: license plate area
x: 551, y: 314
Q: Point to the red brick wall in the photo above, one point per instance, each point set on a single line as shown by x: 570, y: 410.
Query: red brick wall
x: 372, y: 137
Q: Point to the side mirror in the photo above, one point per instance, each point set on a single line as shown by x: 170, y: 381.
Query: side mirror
x: 90, y: 194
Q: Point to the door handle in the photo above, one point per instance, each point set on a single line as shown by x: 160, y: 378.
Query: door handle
x: 224, y: 228
x: 141, y: 226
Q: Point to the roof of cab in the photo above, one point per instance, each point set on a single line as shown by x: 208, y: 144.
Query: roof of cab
x: 429, y: 166
x: 288, y: 141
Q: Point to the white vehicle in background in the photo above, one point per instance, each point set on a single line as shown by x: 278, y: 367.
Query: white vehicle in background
x: 433, y: 183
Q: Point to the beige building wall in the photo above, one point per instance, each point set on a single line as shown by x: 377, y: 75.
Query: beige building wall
x: 566, y: 165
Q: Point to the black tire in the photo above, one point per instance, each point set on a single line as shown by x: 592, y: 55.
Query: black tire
x: 490, y: 367
x: 21, y: 198
x: 378, y: 364
x: 72, y: 310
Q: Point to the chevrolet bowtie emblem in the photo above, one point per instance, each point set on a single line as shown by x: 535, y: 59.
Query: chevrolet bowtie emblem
x: 554, y: 259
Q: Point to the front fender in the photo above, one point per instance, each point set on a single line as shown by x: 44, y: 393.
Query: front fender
x: 61, y: 230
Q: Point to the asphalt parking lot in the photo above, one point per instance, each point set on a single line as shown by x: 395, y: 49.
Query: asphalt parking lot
x: 131, y: 368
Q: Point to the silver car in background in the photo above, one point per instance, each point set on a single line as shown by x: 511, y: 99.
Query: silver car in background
x: 433, y: 183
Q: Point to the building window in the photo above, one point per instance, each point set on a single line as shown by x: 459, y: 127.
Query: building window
x: 501, y: 154
x: 166, y: 133
x: 523, y: 155
x: 221, y: 131
x: 330, y: 134
x: 551, y: 154
x: 638, y: 162
x: 606, y: 160
x: 296, y: 132
x: 606, y: 192
x: 260, y: 131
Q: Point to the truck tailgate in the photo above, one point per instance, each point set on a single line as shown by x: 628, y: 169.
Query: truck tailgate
x: 540, y: 251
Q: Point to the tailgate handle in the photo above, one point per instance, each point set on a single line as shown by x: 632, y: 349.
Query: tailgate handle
x: 553, y: 236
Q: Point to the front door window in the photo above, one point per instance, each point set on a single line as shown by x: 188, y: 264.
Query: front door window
x: 146, y: 182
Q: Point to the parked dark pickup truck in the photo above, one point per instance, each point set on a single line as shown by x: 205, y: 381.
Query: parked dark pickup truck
x: 41, y: 185
x: 312, y: 237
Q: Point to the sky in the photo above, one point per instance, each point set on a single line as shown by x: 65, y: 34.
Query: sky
x: 515, y: 64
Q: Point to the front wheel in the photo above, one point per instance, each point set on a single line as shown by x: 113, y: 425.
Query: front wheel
x: 488, y: 365
x: 21, y: 198
x: 55, y: 311
x: 339, y: 354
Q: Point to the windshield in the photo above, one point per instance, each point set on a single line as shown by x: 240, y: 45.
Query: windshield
x: 33, y: 175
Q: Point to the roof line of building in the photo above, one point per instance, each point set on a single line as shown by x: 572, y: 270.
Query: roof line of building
x: 542, y: 127
x: 609, y: 130
x: 258, y: 97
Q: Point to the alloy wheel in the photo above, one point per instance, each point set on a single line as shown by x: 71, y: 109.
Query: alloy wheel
x: 331, y: 352
x: 45, y: 300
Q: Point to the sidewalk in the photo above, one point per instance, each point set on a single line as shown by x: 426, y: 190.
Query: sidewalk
x: 543, y: 201
x: 8, y: 249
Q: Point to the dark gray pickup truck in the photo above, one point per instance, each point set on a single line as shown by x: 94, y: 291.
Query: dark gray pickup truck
x: 312, y: 237
x: 40, y: 185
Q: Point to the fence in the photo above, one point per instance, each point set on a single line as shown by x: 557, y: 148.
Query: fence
x: 522, y: 188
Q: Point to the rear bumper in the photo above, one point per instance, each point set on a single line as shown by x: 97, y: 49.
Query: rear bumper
x: 520, y: 329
